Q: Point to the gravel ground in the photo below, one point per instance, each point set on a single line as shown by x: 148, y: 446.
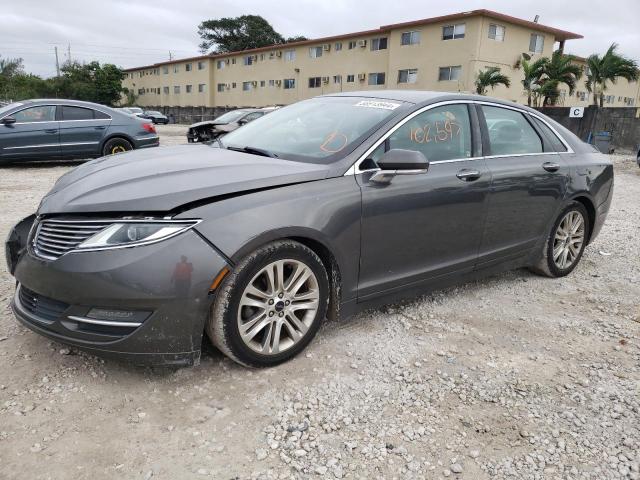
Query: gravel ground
x: 515, y: 376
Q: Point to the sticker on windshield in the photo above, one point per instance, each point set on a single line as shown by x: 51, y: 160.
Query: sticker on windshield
x: 377, y: 104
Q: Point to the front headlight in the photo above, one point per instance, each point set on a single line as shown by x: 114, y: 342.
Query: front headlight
x: 135, y: 232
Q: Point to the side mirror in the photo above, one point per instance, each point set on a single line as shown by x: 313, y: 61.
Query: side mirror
x: 8, y: 120
x: 400, y: 162
x: 243, y: 122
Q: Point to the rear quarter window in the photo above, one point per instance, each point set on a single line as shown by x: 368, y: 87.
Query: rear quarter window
x: 554, y: 141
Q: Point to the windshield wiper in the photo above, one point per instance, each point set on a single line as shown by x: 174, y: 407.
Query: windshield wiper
x: 253, y: 151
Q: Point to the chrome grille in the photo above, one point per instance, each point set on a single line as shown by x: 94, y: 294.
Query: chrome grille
x: 55, y: 237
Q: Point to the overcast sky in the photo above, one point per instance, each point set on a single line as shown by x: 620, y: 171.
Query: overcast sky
x: 132, y: 33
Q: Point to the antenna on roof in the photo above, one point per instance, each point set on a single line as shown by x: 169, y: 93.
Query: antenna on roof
x: 535, y: 20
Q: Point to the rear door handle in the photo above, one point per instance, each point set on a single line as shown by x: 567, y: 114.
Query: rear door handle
x: 100, y: 128
x: 467, y: 175
x: 551, y: 166
x: 52, y: 130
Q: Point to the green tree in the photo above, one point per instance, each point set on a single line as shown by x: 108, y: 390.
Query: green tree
x: 608, y: 68
x: 91, y: 82
x: 561, y: 69
x: 533, y: 72
x: 490, y: 77
x: 238, y: 33
x: 10, y: 67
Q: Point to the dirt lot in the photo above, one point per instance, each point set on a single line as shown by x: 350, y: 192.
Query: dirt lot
x: 515, y: 376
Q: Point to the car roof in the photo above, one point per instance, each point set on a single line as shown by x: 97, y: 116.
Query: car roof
x: 425, y: 97
x: 62, y: 101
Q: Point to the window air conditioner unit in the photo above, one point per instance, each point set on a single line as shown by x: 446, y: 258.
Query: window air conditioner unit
x: 255, y: 57
x: 278, y: 82
x: 278, y: 54
x: 227, y: 86
x: 254, y: 83
x: 325, y: 79
x: 272, y: 54
x: 362, y: 43
x: 227, y: 61
x: 362, y: 76
x: 326, y: 47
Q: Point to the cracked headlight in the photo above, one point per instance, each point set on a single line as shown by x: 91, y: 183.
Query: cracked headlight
x: 133, y: 233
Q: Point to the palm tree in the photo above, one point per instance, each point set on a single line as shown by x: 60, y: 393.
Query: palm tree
x: 490, y: 77
x: 608, y: 68
x: 533, y: 71
x: 559, y: 69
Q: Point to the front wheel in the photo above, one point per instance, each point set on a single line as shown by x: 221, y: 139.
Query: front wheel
x: 566, y: 242
x: 270, y: 307
x: 116, y: 145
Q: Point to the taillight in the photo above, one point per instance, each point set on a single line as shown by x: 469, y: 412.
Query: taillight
x: 149, y: 127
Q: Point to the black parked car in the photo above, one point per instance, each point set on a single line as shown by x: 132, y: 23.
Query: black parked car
x: 51, y: 129
x: 225, y: 123
x: 155, y: 116
x: 322, y: 208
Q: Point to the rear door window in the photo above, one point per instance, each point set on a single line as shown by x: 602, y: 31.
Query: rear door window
x: 441, y: 133
x: 510, y: 133
x: 552, y: 138
x: 76, y: 113
x: 100, y: 115
x: 41, y: 113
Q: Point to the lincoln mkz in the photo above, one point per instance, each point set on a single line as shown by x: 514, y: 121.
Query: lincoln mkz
x: 317, y: 210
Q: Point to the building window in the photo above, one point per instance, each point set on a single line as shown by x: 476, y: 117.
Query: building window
x: 261, y: 56
x: 248, y: 60
x: 176, y: 89
x: 176, y: 68
x: 262, y: 83
x: 272, y: 83
x: 449, y: 73
x: 289, y: 83
x: 337, y: 79
x: 189, y: 88
x: 315, y: 52
x: 351, y: 78
x: 188, y: 67
x: 338, y: 46
x: 165, y: 90
x: 536, y: 44
x: 452, y: 32
x: 352, y: 44
x: 233, y: 61
x: 379, y: 43
x: 289, y: 55
x: 409, y: 75
x: 246, y: 86
x: 496, y: 32
x: 314, y: 82
x: 410, y: 38
x: 376, y: 78
x: 165, y: 69
x: 220, y: 64
x: 202, y: 88
x: 221, y: 87
x: 201, y: 65
x: 233, y: 85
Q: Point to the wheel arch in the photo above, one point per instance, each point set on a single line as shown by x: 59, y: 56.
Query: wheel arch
x: 111, y: 136
x: 316, y: 242
x: 589, y: 205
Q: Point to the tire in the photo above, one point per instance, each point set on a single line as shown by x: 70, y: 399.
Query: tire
x: 547, y: 264
x: 267, y: 317
x: 116, y: 145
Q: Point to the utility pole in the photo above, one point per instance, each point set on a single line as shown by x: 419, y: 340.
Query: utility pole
x: 57, y: 62
x: 170, y: 56
x: 69, y: 53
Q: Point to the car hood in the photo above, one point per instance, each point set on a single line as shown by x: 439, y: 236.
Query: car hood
x: 163, y: 179
x: 206, y: 122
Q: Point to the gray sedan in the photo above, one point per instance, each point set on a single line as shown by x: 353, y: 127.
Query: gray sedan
x: 53, y: 129
x: 317, y: 210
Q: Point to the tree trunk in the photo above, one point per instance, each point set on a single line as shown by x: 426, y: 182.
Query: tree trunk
x: 529, y: 98
x: 601, y: 99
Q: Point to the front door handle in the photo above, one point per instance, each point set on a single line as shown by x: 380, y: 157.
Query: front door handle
x: 467, y: 175
x: 551, y: 166
x: 52, y: 130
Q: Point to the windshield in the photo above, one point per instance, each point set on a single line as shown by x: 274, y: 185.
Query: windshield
x: 152, y: 112
x: 9, y: 107
x: 319, y: 130
x: 230, y: 116
x: 135, y: 110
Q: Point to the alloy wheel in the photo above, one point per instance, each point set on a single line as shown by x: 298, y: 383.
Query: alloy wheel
x: 278, y: 306
x: 568, y: 240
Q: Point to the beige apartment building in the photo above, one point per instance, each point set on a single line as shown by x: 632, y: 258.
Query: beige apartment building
x: 441, y: 53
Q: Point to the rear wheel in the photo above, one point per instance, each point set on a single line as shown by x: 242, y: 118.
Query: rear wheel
x: 566, y: 242
x: 271, y: 306
x: 116, y: 145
